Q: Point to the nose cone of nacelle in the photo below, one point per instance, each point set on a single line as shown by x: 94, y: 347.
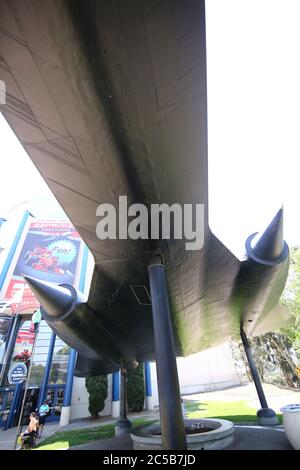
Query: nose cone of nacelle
x: 269, y: 245
x: 55, y: 300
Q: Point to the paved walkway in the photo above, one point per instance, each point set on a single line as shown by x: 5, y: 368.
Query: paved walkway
x: 7, y: 438
x: 276, y: 397
x: 245, y: 438
x: 259, y: 438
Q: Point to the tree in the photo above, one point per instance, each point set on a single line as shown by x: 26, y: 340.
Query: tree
x: 291, y: 298
x: 37, y: 374
x: 135, y: 388
x: 64, y: 350
x: 97, y: 389
x: 54, y: 374
x: 273, y: 354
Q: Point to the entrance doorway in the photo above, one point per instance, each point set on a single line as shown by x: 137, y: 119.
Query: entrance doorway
x: 54, y: 399
x: 6, y: 399
x: 30, y: 405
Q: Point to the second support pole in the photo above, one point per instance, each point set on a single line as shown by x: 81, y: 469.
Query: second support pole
x: 123, y: 425
x: 171, y: 419
x: 266, y: 416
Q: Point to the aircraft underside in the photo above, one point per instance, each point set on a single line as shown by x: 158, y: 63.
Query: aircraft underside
x: 108, y: 98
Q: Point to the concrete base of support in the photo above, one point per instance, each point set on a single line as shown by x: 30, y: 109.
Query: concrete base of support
x: 115, y: 409
x: 65, y: 416
x: 218, y: 434
x: 123, y: 426
x: 149, y: 403
x: 266, y: 417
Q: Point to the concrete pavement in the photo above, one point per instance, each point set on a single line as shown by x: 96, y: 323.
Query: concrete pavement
x: 7, y: 438
x: 259, y: 438
x: 276, y: 397
x: 246, y: 436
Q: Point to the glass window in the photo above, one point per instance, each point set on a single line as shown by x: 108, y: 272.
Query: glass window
x: 50, y: 397
x: 59, y: 401
x: 58, y: 373
x: 59, y: 361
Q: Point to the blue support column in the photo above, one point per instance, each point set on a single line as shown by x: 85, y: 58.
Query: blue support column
x: 43, y: 390
x: 66, y: 408
x: 115, y: 404
x: 148, y: 386
x: 14, y: 406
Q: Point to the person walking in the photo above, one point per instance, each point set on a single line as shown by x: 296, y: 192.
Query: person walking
x: 43, y: 411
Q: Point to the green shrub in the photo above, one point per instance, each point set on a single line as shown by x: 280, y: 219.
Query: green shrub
x: 97, y: 389
x: 135, y: 388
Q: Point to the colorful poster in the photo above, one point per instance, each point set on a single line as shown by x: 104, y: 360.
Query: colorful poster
x: 50, y: 252
x: 23, y: 347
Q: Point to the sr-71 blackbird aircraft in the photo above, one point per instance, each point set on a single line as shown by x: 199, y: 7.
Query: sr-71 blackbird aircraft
x: 109, y: 98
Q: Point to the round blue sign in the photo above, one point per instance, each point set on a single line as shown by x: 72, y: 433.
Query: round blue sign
x: 17, y: 374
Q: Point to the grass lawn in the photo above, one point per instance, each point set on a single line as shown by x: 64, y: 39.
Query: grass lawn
x: 66, y: 439
x: 235, y: 411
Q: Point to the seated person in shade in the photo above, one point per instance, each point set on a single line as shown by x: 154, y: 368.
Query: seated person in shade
x: 32, y: 428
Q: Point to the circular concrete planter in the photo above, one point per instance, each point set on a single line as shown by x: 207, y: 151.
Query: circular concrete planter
x: 220, y: 435
x: 291, y: 424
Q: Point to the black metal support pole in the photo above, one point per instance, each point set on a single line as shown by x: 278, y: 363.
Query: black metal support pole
x: 266, y: 415
x: 254, y: 371
x: 123, y: 425
x: 171, y: 418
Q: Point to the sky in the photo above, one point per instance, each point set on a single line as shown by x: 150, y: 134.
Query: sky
x: 22, y: 186
x: 253, y: 71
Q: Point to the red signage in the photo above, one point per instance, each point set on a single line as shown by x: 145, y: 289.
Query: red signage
x: 21, y: 298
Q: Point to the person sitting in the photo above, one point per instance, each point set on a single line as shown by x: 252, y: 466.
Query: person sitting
x: 28, y: 437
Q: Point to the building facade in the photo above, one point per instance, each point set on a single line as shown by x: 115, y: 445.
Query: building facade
x: 53, y: 251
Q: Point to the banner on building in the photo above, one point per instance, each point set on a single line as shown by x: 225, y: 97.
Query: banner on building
x: 50, y: 252
x: 20, y: 296
x: 23, y: 347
